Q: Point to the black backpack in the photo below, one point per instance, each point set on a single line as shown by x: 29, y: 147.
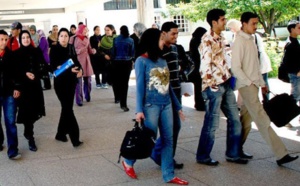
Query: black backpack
x: 282, y: 69
x: 137, y: 143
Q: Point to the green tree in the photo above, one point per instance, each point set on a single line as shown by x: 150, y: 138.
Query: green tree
x: 270, y: 12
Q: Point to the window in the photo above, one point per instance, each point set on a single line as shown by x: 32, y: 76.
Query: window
x: 125, y: 4
x: 157, y: 20
x: 183, y: 24
x: 177, y: 1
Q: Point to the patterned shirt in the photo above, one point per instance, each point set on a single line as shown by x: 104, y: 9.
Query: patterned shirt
x: 214, y: 69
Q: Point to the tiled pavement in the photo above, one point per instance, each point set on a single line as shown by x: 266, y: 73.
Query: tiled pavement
x: 103, y: 125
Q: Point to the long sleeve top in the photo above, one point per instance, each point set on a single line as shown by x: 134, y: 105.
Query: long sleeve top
x: 44, y: 46
x: 152, y: 84
x: 245, y: 61
x: 214, y: 69
x: 291, y: 57
x: 123, y: 48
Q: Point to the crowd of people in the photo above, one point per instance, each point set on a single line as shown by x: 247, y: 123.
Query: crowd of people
x: 27, y: 57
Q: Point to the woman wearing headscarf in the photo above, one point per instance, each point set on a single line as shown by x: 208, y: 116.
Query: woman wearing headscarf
x: 83, y: 49
x: 43, y: 45
x: 31, y: 103
x: 122, y: 54
x: 34, y: 35
x: 52, y: 38
x: 64, y: 86
x: 106, y: 45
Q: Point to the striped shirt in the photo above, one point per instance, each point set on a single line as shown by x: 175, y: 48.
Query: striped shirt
x: 171, y: 56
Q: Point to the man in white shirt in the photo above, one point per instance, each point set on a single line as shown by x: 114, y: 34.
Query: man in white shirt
x: 245, y: 67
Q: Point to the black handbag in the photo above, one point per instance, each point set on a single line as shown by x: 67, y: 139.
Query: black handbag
x: 137, y: 143
x: 281, y: 109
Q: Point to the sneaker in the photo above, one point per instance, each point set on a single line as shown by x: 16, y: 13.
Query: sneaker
x: 15, y: 156
x: 105, y: 86
x: 98, y: 86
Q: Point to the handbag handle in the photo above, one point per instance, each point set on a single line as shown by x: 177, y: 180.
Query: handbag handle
x: 138, y: 124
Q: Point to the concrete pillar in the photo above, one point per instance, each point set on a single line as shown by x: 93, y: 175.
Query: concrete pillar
x: 145, y: 12
x: 81, y: 17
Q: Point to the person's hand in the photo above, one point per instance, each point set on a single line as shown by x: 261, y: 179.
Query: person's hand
x: 139, y: 116
x: 181, y: 115
x: 16, y: 94
x: 107, y: 57
x: 265, y: 90
x: 30, y: 75
x: 79, y: 74
x: 94, y: 51
x: 186, y: 95
x: 298, y: 74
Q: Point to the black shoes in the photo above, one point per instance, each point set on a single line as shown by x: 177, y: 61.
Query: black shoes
x: 117, y: 101
x: 32, y: 145
x: 238, y: 161
x: 286, y: 159
x: 210, y: 162
x: 178, y: 165
x: 245, y: 155
x: 79, y: 143
x: 126, y: 109
x: 61, y: 138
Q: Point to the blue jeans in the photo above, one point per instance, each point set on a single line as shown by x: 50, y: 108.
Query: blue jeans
x: 223, y: 99
x: 10, y: 110
x: 156, y: 154
x: 295, y: 83
x: 160, y: 117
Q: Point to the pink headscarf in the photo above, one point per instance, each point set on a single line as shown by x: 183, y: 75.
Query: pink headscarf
x: 79, y: 32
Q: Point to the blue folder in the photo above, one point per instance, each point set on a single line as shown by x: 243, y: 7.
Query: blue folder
x: 63, y: 67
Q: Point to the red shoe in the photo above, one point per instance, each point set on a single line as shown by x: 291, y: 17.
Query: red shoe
x: 179, y: 181
x: 129, y: 171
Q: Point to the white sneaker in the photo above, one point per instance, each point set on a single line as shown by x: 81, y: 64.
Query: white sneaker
x: 289, y: 125
x: 105, y: 86
x: 15, y: 157
x: 98, y: 86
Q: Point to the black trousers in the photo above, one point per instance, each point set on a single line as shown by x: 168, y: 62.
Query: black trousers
x: 28, y: 130
x: 67, y: 122
x: 199, y: 102
x: 121, y: 75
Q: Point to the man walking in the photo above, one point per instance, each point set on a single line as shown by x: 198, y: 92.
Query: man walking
x: 217, y: 93
x: 9, y: 92
x: 245, y: 67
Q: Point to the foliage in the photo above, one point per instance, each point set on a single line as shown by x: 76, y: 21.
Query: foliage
x: 275, y: 55
x: 270, y: 11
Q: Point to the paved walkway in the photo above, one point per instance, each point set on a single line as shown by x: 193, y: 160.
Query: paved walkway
x: 103, y: 125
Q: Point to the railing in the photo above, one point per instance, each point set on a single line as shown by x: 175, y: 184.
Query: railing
x: 125, y: 4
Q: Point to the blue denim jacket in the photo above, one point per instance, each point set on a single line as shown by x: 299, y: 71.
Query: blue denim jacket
x: 123, y: 48
x: 153, y: 84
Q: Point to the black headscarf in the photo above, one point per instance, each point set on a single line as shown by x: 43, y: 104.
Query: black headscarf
x: 20, y: 39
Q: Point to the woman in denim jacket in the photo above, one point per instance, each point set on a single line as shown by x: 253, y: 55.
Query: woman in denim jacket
x: 123, y: 54
x: 154, y: 102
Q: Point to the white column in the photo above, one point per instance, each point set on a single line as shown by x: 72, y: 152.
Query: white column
x: 81, y: 17
x: 145, y: 11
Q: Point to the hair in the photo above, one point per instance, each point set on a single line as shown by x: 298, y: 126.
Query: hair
x: 3, y: 32
x: 20, y: 37
x: 139, y: 28
x: 63, y: 30
x: 112, y: 28
x: 73, y: 26
x: 214, y: 15
x: 95, y: 27
x: 54, y: 26
x: 150, y: 43
x: 80, y: 23
x: 246, y: 16
x: 124, y: 31
x: 292, y: 24
x: 233, y: 23
x: 199, y: 32
x: 167, y: 26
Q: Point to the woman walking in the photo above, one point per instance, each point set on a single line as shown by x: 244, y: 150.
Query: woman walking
x: 64, y: 86
x: 96, y: 59
x: 83, y: 49
x: 44, y: 46
x: 123, y: 54
x: 105, y: 51
x: 31, y: 103
x: 154, y: 101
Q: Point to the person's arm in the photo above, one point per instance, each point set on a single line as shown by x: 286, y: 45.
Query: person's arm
x: 206, y: 54
x: 236, y: 62
x: 140, y: 84
x: 132, y: 49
